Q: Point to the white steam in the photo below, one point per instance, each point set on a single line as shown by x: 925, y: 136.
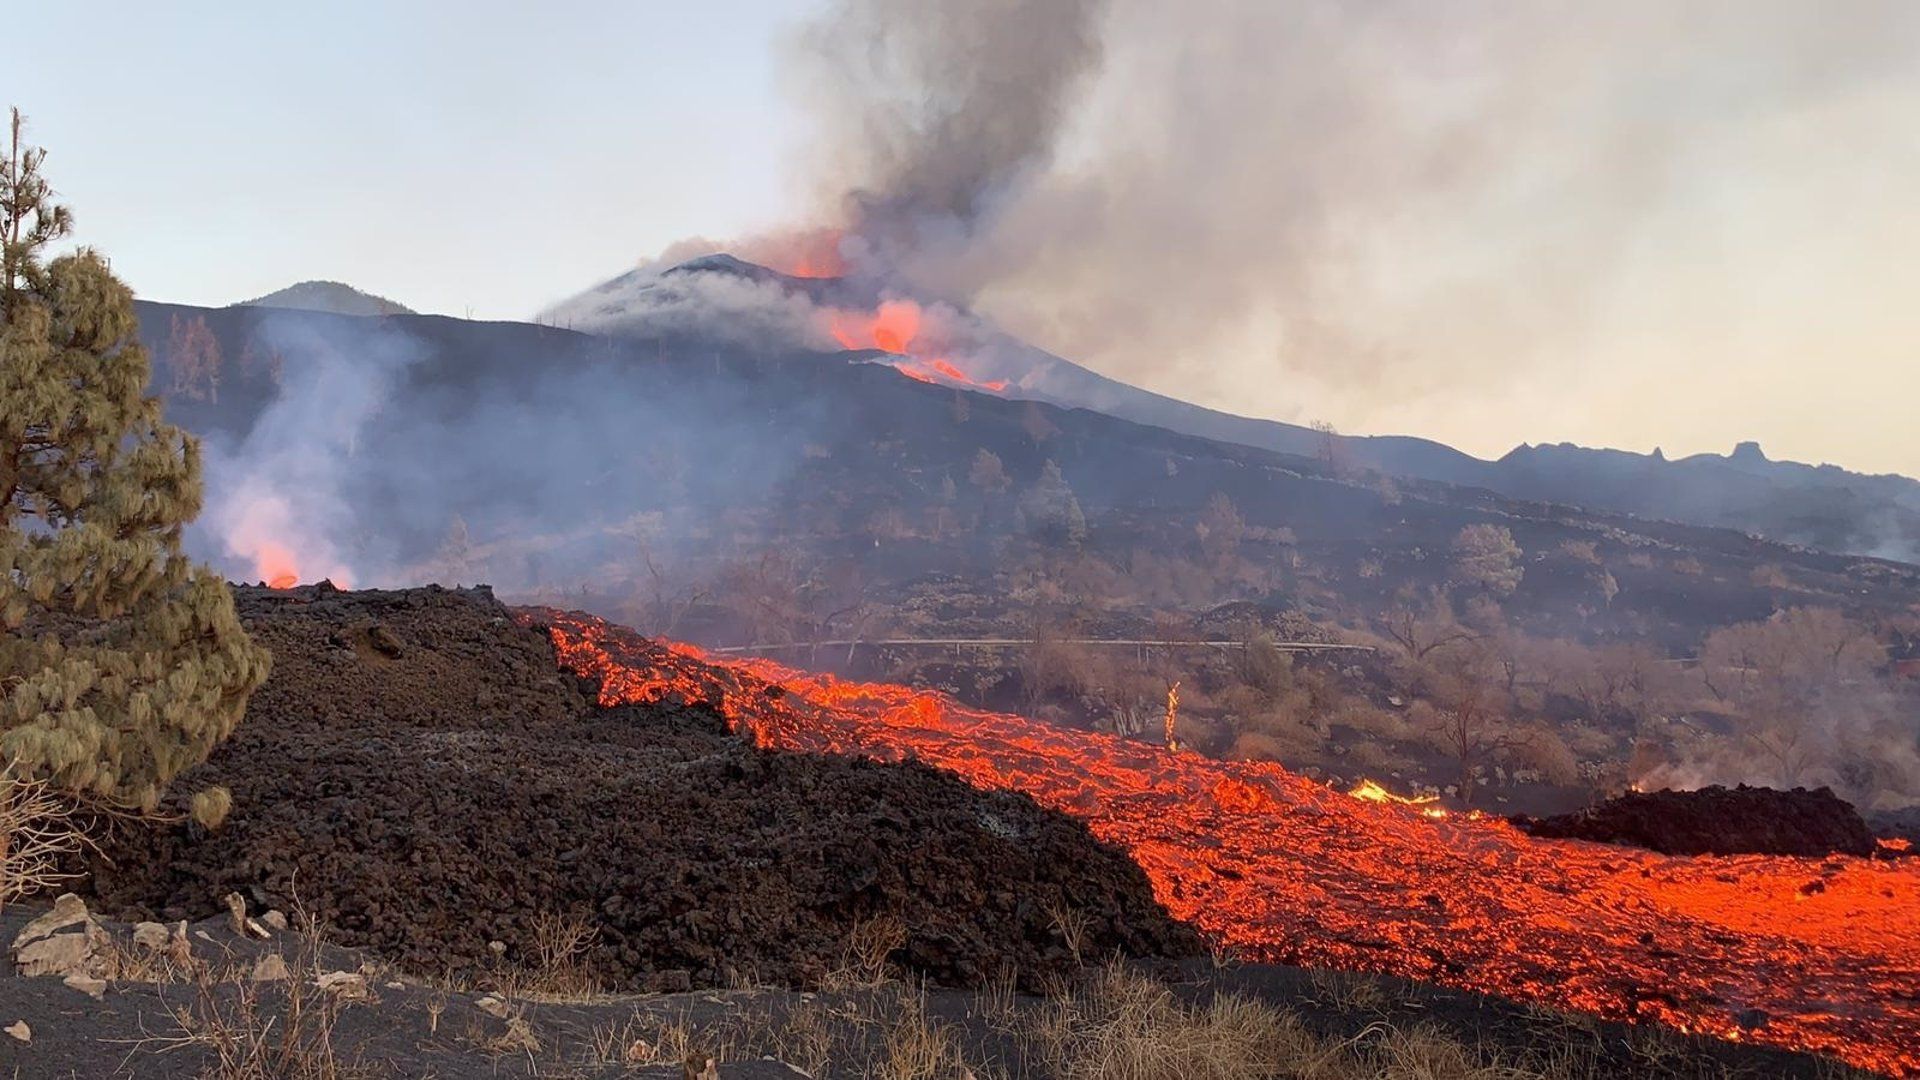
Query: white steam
x: 278, y: 502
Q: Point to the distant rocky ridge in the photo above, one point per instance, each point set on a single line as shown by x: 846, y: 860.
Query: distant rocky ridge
x: 1823, y: 507
x: 328, y: 296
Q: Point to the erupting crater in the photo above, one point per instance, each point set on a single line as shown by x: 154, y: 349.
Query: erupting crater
x: 1808, y: 954
x: 895, y: 328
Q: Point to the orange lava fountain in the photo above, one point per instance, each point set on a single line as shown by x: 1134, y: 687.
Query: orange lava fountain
x: 1809, y: 954
x: 894, y: 327
x: 276, y: 566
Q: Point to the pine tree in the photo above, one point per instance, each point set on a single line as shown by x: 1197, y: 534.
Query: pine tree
x: 122, y: 664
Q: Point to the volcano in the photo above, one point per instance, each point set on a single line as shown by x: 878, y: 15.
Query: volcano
x: 1825, y: 507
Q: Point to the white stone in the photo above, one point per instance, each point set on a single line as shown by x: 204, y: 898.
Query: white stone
x: 67, y: 911
x: 271, y: 967
x: 93, y: 988
x: 61, y: 954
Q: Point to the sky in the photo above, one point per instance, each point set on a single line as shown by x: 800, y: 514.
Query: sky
x: 1633, y: 225
x: 458, y: 157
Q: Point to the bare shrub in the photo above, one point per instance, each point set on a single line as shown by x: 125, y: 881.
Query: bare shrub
x: 1547, y: 753
x: 555, y: 965
x: 865, y: 959
x: 1581, y: 551
x: 1368, y: 720
x: 37, y: 831
x: 1371, y: 757
x: 1268, y: 744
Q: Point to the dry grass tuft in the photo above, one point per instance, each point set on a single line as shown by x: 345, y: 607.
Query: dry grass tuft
x: 917, y: 1047
x: 260, y: 1031
x: 1123, y: 1026
x: 1347, y: 991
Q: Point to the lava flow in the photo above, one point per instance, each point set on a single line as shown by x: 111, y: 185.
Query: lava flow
x: 1809, y: 954
x: 894, y: 327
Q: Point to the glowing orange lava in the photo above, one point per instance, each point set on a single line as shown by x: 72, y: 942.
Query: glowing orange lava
x: 894, y: 327
x: 1810, y: 954
x: 276, y: 566
x: 1372, y: 791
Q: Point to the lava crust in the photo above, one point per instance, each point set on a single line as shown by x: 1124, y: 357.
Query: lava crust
x: 420, y: 775
x: 1718, y: 821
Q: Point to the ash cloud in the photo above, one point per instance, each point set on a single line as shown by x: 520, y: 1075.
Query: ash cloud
x: 1433, y: 216
x: 927, y: 120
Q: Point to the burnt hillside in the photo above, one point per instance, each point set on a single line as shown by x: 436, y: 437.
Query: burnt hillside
x: 554, y: 451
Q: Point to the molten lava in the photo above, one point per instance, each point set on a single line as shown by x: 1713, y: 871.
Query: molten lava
x: 1811, y: 954
x: 276, y: 566
x: 1371, y: 791
x: 895, y: 327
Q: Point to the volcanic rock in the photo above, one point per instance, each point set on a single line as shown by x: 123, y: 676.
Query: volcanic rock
x: 410, y: 823
x: 1718, y: 821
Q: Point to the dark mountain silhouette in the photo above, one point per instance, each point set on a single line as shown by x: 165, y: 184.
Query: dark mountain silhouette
x: 328, y: 296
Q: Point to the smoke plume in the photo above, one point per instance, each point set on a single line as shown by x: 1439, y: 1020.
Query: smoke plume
x: 1404, y: 214
x: 278, y: 507
x: 927, y: 122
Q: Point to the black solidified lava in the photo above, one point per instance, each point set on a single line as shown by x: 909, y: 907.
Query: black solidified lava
x: 1718, y: 821
x: 420, y: 775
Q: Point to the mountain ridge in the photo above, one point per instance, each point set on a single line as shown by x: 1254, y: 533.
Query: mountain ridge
x: 1820, y: 506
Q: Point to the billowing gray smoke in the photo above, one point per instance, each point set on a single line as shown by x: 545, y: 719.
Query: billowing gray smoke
x: 930, y: 116
x: 1404, y: 215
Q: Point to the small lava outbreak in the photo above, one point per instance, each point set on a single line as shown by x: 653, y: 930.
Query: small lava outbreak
x: 1809, y: 954
x: 895, y: 327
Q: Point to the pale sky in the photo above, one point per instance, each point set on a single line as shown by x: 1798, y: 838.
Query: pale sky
x: 460, y: 156
x: 1666, y: 224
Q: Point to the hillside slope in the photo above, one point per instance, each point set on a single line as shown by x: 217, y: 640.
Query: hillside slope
x: 1825, y: 506
x: 553, y: 458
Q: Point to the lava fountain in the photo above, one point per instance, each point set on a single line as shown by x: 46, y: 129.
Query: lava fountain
x: 1808, y: 954
x: 895, y: 327
x: 276, y: 566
